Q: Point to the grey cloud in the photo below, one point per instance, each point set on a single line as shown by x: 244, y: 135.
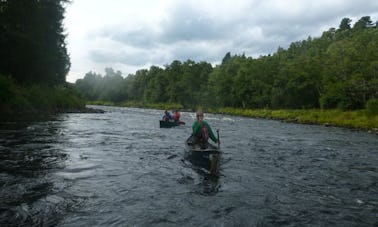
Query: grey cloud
x: 190, y: 24
x: 183, y: 23
x: 204, y: 51
x: 143, y: 36
x: 190, y: 33
x: 135, y: 58
x: 140, y: 38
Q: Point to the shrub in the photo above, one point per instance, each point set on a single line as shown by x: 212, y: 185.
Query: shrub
x: 11, y: 96
x: 372, y: 107
x: 7, y: 88
x: 37, y: 98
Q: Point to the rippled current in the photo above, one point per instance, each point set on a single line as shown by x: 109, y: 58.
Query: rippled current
x: 120, y: 169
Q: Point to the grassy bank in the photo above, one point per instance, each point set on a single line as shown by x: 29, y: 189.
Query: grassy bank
x: 37, y: 98
x: 348, y: 119
x: 160, y: 106
x: 358, y: 119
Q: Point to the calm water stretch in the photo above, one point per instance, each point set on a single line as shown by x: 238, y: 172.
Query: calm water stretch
x: 120, y: 169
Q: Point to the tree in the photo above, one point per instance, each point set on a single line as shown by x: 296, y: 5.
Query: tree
x: 174, y: 72
x: 32, y: 43
x: 226, y: 58
x: 156, y: 86
x: 363, y: 23
x: 345, y: 24
x: 90, y: 86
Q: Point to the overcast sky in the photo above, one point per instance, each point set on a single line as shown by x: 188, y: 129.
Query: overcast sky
x: 129, y: 35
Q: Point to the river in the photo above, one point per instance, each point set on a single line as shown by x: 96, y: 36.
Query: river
x: 120, y: 169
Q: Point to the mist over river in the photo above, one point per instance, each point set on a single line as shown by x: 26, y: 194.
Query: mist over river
x: 120, y: 169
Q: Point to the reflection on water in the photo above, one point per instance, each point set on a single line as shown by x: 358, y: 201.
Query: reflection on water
x: 119, y: 168
x: 207, y: 162
x: 207, y: 166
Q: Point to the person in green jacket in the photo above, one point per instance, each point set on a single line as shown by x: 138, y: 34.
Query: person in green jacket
x: 202, y: 130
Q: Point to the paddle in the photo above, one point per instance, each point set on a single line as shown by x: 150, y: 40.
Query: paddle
x: 215, y: 158
x: 218, y: 139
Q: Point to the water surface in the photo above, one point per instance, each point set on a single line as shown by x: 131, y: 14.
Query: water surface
x: 119, y: 168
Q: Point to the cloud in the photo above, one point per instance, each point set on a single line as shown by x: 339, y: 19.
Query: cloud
x: 185, y: 23
x: 133, y: 35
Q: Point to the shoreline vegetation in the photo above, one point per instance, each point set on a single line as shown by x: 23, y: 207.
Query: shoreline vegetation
x: 356, y: 119
x: 345, y: 119
x: 39, y: 99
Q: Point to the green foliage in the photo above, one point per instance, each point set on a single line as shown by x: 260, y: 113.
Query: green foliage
x: 11, y: 96
x: 345, y: 24
x: 372, y: 107
x: 37, y: 98
x: 33, y: 51
x: 7, y: 89
x: 32, y: 43
x: 348, y: 119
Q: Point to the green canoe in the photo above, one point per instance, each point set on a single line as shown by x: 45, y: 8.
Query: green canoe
x: 170, y: 124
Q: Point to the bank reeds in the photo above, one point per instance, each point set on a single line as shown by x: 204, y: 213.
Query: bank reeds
x: 349, y: 119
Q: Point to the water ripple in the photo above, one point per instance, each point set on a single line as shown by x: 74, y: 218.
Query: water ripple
x: 121, y: 169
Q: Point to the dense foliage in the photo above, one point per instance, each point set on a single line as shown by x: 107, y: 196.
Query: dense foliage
x: 33, y: 58
x: 337, y: 70
x: 37, y: 98
x: 32, y: 43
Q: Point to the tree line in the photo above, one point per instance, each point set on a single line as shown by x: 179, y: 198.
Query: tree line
x: 337, y: 70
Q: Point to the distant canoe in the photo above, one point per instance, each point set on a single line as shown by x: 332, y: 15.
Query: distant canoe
x: 170, y: 124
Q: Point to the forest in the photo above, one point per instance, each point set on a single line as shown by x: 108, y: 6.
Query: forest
x: 337, y: 70
x: 34, y: 59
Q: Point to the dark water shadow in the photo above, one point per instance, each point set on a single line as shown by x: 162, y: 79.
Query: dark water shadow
x: 208, y: 167
x: 31, y: 151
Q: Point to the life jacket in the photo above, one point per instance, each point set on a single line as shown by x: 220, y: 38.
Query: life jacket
x: 203, y: 135
x: 167, y: 117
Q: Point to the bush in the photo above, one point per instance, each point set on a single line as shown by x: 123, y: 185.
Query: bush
x: 11, y: 96
x: 7, y: 89
x: 65, y: 98
x: 372, y: 107
x: 37, y: 98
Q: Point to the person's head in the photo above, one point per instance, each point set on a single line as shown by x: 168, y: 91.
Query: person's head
x: 199, y: 115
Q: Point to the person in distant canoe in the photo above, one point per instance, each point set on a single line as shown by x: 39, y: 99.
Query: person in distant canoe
x: 202, y: 130
x: 167, y: 116
x: 176, y: 115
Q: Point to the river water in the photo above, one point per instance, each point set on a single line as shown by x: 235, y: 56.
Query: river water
x: 120, y: 169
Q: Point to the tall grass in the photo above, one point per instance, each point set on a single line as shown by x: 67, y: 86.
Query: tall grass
x: 349, y: 119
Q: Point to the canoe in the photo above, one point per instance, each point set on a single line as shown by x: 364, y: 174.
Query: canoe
x: 193, y: 147
x: 205, y: 157
x: 170, y: 124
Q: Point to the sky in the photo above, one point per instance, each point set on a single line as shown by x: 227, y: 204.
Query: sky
x: 129, y: 35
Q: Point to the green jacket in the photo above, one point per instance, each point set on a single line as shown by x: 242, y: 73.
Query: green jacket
x: 197, y: 128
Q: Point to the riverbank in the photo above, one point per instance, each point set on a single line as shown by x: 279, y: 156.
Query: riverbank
x: 159, y: 106
x: 346, y: 119
x: 39, y: 99
x: 357, y: 119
